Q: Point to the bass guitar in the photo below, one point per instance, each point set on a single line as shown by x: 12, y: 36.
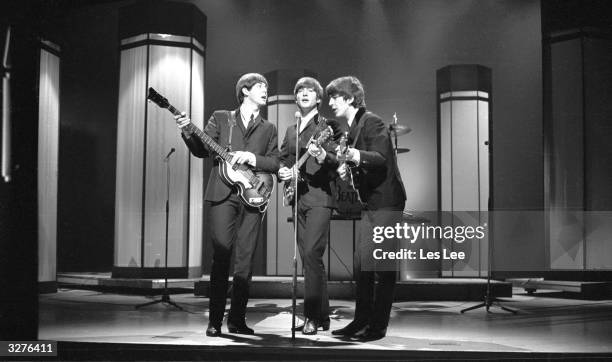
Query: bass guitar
x: 254, y: 188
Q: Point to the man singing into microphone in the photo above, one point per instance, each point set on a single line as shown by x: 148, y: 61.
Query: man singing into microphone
x: 314, y: 200
x: 254, y: 141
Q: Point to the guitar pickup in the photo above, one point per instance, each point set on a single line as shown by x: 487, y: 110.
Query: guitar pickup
x: 255, y: 199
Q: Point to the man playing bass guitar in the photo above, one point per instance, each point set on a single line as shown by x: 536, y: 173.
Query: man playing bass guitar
x: 252, y: 141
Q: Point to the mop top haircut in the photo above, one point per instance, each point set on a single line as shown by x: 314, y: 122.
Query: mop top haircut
x: 309, y: 82
x: 347, y: 87
x: 248, y: 81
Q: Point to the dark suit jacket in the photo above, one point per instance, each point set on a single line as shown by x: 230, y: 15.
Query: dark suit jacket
x: 316, y: 189
x: 260, y: 138
x: 380, y: 183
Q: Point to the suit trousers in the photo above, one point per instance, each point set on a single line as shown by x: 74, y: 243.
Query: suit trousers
x: 374, y: 300
x: 313, y: 236
x: 232, y: 225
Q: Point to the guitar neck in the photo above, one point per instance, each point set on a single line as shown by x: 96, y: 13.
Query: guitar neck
x: 303, y: 159
x: 209, y: 141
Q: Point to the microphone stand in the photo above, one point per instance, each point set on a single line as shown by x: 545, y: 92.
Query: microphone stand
x: 295, y: 225
x: 489, y: 299
x: 165, y: 298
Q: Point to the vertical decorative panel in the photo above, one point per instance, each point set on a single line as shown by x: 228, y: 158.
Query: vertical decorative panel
x: 272, y: 217
x: 130, y: 151
x: 567, y: 177
x: 169, y: 73
x: 463, y: 126
x: 48, y: 145
x: 158, y: 52
x: 280, y: 233
x: 196, y: 167
x: 578, y: 85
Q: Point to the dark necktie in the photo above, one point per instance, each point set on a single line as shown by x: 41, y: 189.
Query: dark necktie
x: 250, y: 123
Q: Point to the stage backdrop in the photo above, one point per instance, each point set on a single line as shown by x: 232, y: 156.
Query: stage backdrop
x: 394, y: 47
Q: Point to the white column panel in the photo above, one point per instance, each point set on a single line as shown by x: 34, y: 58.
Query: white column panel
x: 446, y: 171
x: 130, y: 148
x: 465, y: 156
x: 446, y: 157
x: 48, y: 143
x: 280, y: 232
x: 169, y: 73
x: 464, y: 173
x: 196, y: 168
x: 483, y: 166
x: 465, y: 179
x: 483, y: 154
x: 271, y: 215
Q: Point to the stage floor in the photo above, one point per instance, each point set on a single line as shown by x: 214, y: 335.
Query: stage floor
x: 547, y: 322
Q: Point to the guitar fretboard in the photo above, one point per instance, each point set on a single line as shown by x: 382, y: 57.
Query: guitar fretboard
x: 209, y: 141
x: 222, y: 152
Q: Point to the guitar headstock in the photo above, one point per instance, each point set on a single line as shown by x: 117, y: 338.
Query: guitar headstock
x: 324, y: 135
x: 157, y: 98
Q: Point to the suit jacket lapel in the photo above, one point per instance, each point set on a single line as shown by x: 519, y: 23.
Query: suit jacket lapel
x: 353, y: 129
x: 239, y: 122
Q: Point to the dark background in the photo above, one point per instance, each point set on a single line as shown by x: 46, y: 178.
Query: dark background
x: 394, y: 47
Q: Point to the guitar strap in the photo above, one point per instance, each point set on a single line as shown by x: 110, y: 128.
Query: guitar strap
x: 231, y: 119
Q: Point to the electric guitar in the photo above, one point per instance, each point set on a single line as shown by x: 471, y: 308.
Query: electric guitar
x: 347, y: 194
x: 254, y: 188
x: 352, y: 174
x: 289, y: 185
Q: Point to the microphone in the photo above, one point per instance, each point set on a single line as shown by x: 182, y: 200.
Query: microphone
x: 298, y: 118
x: 169, y: 154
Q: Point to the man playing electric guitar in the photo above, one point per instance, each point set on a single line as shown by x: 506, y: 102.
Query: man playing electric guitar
x: 382, y: 192
x: 253, y: 141
x: 315, y: 201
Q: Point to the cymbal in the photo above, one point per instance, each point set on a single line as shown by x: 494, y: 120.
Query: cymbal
x: 399, y: 129
x: 402, y: 150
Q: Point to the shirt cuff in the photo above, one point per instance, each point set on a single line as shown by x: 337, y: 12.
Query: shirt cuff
x: 356, y: 157
x: 252, y: 159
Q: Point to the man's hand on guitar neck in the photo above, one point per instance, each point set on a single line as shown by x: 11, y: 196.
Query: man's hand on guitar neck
x: 350, y: 155
x: 317, y: 152
x: 286, y: 173
x: 183, y: 121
